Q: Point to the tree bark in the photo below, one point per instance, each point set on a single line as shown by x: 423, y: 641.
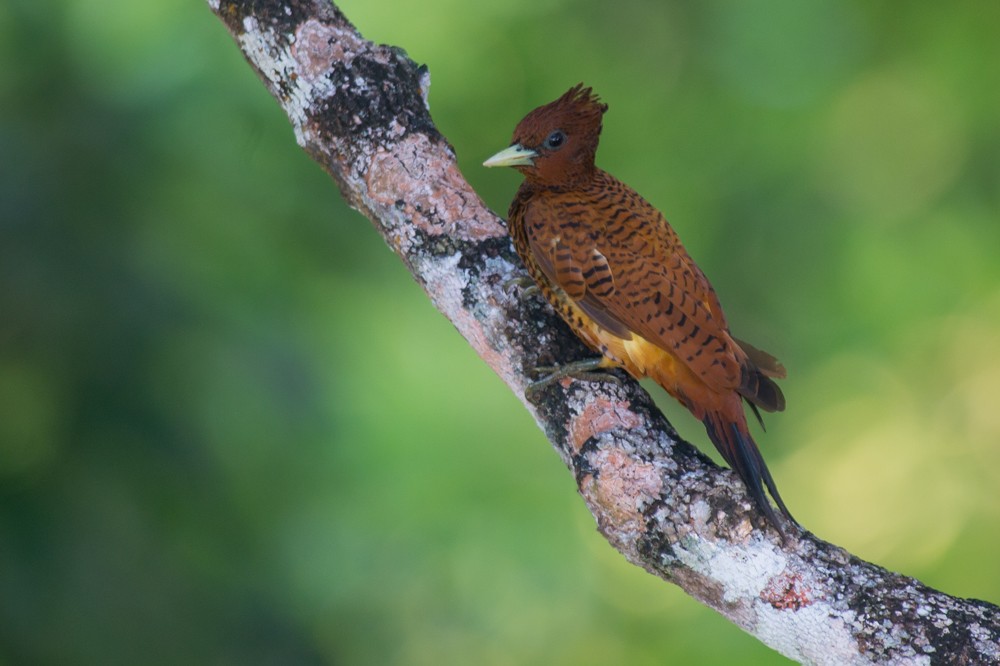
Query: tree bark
x: 360, y: 110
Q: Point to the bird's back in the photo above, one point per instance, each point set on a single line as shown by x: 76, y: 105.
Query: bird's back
x: 618, y: 273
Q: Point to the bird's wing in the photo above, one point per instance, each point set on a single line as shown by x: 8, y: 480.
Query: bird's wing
x: 643, y: 283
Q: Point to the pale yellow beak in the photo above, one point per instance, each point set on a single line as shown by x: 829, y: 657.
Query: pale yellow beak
x: 516, y: 155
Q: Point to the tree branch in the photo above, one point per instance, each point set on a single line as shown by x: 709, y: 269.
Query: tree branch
x: 360, y: 110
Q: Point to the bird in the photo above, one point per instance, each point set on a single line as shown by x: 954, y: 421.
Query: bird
x: 616, y: 272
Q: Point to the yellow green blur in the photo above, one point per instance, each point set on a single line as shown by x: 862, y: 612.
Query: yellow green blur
x: 231, y: 425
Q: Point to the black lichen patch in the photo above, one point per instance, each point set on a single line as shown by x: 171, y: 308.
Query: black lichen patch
x: 374, y: 94
x: 731, y: 506
x: 439, y: 246
x: 656, y: 547
x: 581, y: 461
x: 490, y: 248
x: 898, y: 617
x: 475, y: 264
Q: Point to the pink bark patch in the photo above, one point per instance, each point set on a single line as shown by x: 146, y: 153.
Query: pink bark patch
x: 787, y: 591
x: 621, y: 487
x: 318, y: 45
x: 600, y: 416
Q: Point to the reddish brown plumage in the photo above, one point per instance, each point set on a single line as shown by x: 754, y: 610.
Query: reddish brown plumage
x: 616, y: 271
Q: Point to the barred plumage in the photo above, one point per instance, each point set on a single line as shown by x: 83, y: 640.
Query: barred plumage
x: 616, y: 271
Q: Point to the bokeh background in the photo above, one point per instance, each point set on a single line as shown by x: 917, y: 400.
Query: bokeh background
x: 234, y: 431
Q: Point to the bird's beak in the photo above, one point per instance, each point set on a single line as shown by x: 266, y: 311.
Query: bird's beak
x: 516, y: 155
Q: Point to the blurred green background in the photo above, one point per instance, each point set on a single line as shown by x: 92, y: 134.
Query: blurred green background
x: 234, y: 431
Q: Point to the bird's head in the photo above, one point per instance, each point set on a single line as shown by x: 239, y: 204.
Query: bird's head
x: 555, y: 144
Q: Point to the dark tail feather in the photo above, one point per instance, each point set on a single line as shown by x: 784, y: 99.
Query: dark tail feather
x: 756, y: 412
x: 768, y: 365
x: 743, y: 456
x: 760, y: 390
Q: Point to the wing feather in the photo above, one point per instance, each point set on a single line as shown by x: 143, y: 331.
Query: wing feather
x: 639, y: 283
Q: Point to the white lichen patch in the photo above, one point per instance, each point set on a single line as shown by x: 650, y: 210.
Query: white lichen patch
x: 984, y: 642
x: 425, y: 87
x: 445, y: 283
x: 276, y: 61
x: 816, y: 634
x: 742, y: 571
x: 701, y: 512
x: 810, y: 631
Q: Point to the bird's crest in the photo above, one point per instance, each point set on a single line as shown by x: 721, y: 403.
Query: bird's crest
x: 580, y: 101
x: 578, y: 109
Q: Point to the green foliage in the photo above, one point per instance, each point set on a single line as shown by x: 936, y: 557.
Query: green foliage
x: 232, y: 430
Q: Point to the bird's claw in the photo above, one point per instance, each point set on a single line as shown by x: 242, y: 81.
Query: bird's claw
x: 587, y: 370
x: 525, y: 283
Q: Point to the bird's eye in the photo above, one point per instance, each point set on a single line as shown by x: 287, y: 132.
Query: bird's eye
x: 555, y: 140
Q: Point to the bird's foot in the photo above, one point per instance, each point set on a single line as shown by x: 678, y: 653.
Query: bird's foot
x: 526, y: 284
x: 586, y: 370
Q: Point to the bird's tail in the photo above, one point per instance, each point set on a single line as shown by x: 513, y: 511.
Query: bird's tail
x: 732, y: 438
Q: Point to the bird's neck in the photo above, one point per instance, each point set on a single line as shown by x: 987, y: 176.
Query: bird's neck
x: 581, y: 179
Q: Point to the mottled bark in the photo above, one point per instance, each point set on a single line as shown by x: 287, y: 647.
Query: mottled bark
x: 360, y: 110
